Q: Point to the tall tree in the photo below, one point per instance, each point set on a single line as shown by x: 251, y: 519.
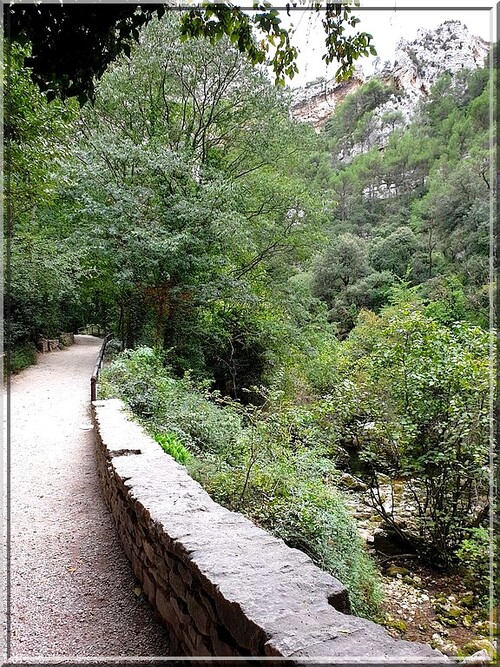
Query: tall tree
x: 72, y: 45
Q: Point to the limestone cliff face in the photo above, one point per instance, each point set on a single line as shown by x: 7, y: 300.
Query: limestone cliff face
x: 419, y: 63
x: 417, y: 66
x: 316, y: 102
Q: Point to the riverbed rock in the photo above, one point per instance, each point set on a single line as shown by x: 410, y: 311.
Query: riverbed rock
x: 467, y: 599
x: 476, y: 645
x: 481, y: 657
x: 394, y: 570
x: 350, y: 482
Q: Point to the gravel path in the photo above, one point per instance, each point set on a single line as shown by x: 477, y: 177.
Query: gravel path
x: 72, y: 589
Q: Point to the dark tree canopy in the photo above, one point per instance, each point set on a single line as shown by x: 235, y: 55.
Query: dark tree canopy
x: 72, y: 45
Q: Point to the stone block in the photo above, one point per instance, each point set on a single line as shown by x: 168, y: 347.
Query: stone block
x: 243, y: 630
x: 203, y: 647
x: 207, y: 603
x: 53, y: 344
x: 151, y: 554
x: 149, y: 586
x: 67, y: 339
x: 180, y: 610
x: 221, y: 648
x: 176, y: 584
x: 164, y: 608
x: 137, y: 569
x: 185, y: 574
x: 222, y: 585
x: 199, y: 615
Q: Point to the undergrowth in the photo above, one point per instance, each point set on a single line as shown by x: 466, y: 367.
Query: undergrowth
x: 22, y: 357
x: 259, y: 460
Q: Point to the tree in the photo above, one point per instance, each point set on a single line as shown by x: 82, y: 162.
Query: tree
x: 344, y: 279
x: 179, y: 198
x: 424, y: 388
x: 72, y: 44
x: 394, y: 252
x: 345, y: 261
x: 42, y: 268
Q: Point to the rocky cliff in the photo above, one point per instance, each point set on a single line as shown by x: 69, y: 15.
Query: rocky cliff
x: 316, y: 102
x: 417, y: 66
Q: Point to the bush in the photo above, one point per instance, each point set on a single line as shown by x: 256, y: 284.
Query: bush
x: 171, y: 445
x: 264, y: 461
x: 474, y: 557
x: 170, y: 405
x: 22, y: 357
x: 290, y: 500
x: 423, y: 388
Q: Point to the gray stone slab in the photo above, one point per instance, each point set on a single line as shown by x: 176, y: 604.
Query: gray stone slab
x: 270, y: 599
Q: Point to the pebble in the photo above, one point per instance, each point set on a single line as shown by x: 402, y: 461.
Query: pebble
x: 56, y: 495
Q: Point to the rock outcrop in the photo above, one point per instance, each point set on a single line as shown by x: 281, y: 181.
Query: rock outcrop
x: 417, y: 66
x: 316, y: 102
x: 419, y: 63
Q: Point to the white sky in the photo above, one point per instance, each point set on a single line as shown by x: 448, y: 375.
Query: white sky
x: 387, y: 26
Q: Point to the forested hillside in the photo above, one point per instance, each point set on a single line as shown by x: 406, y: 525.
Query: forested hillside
x: 295, y: 313
x: 416, y: 212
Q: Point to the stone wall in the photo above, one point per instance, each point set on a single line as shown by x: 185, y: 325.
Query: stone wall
x: 67, y: 339
x: 221, y: 585
x: 52, y: 344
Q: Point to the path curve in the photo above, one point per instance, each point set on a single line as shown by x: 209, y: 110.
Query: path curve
x: 72, y: 589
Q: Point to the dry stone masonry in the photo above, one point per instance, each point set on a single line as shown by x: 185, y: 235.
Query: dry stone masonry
x: 221, y: 585
x: 53, y: 344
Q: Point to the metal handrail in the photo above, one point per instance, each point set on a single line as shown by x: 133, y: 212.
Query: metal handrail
x: 91, y: 330
x: 97, y: 367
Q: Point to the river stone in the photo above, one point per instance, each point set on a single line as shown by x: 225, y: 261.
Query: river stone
x: 467, y: 599
x: 349, y: 482
x: 477, y: 645
x: 394, y: 570
x: 481, y: 657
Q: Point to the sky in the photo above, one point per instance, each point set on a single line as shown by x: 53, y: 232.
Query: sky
x: 387, y: 26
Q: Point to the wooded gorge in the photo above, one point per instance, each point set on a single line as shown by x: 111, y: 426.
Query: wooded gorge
x: 298, y: 310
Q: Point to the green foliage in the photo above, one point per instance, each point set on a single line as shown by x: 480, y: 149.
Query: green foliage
x: 171, y: 405
x: 180, y: 202
x: 21, y: 357
x: 345, y: 280
x: 263, y: 460
x: 73, y: 46
x: 344, y: 49
x: 423, y: 388
x: 337, y: 291
x: 351, y: 122
x: 395, y: 252
x: 474, y: 556
x: 43, y: 268
x: 171, y: 445
x: 421, y: 211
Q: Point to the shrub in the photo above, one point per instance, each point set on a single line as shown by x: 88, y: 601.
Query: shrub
x: 291, y: 494
x: 474, y: 557
x: 266, y: 461
x: 171, y: 445
x: 423, y: 388
x: 171, y: 405
x: 22, y: 357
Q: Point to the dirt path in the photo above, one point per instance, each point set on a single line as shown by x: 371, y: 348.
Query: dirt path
x: 72, y: 589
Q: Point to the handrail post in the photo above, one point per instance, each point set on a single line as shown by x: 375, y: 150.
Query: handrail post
x: 97, y: 368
